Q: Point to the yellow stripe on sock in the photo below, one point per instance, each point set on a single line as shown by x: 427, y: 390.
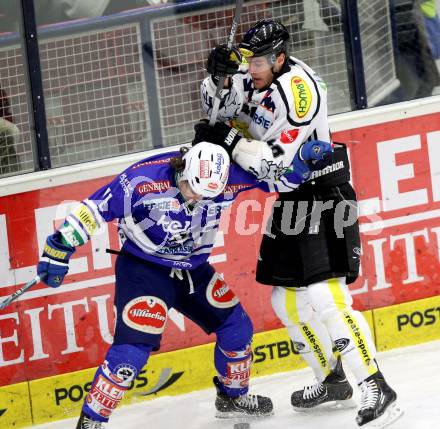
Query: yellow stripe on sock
x: 356, y: 332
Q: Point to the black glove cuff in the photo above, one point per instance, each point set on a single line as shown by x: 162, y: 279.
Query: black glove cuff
x: 231, y: 140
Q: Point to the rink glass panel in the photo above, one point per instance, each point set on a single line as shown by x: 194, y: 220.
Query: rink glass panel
x: 16, y: 136
x: 119, y: 80
x: 95, y: 94
x: 181, y: 45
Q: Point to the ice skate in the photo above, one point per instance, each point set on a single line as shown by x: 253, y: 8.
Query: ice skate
x: 86, y: 422
x: 245, y: 405
x: 378, y: 403
x: 335, y: 391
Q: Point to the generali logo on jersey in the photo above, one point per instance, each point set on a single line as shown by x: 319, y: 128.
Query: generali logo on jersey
x: 160, y: 186
x: 219, y: 294
x: 302, y: 96
x: 146, y: 313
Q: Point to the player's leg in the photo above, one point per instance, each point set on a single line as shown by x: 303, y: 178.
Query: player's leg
x: 136, y: 335
x: 313, y: 343
x: 215, y: 308
x: 350, y: 332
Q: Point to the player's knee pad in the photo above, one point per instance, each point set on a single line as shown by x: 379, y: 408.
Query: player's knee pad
x: 122, y: 364
x: 291, y: 305
x: 233, y: 352
x: 329, y: 298
x: 236, y: 331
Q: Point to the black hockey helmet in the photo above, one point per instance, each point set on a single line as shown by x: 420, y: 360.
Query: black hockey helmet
x: 266, y: 37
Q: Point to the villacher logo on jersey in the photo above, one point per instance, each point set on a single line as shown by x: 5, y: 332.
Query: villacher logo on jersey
x: 219, y: 294
x: 146, y: 313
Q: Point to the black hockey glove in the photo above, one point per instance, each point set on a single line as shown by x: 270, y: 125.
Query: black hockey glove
x: 220, y: 134
x: 223, y: 62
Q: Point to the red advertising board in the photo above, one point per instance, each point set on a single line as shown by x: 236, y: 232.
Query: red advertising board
x: 396, y: 171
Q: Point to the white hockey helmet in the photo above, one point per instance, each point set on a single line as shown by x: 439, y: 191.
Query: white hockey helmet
x: 206, y: 169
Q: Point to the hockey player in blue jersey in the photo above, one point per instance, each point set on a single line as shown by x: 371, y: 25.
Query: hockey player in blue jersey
x: 169, y: 208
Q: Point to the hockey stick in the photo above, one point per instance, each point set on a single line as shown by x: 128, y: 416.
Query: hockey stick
x: 19, y: 292
x: 221, y: 80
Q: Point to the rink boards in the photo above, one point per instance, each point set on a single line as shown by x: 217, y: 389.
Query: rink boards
x: 50, y: 336
x: 182, y: 371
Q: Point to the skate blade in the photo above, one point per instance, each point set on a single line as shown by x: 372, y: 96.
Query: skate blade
x: 391, y: 414
x: 346, y: 404
x: 241, y: 417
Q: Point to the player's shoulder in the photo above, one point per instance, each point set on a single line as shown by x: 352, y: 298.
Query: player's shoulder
x: 151, y: 174
x: 153, y: 162
x: 299, y: 88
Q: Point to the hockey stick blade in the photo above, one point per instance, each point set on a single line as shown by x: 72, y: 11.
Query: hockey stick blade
x: 221, y: 81
x: 19, y: 292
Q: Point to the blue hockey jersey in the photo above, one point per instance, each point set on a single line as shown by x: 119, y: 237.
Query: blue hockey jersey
x: 155, y: 223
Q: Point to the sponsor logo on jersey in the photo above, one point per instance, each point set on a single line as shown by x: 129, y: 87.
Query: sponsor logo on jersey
x: 234, y: 188
x: 146, y: 314
x: 219, y: 294
x: 163, y: 204
x: 69, y: 232
x: 261, y: 120
x: 104, y: 396
x: 302, y: 96
x: 238, y: 373
x: 172, y: 226
x: 125, y: 184
x: 153, y: 187
x: 204, y: 169
x: 181, y: 264
x: 289, y: 136
x: 342, y: 343
x: 174, y: 249
x: 86, y: 218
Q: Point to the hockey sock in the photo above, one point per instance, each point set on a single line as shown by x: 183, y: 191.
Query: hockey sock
x: 113, y: 378
x: 308, y: 334
x: 233, y: 353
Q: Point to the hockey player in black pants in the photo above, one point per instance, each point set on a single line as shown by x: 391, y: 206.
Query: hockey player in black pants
x: 273, y: 122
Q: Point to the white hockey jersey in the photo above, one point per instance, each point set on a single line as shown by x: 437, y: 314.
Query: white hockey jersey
x: 274, y: 122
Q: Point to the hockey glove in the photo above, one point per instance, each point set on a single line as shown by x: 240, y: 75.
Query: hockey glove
x: 220, y: 134
x: 317, y: 154
x: 54, y: 263
x: 312, y: 155
x: 223, y: 62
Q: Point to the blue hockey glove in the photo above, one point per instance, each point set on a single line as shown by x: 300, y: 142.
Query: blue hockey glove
x: 316, y: 153
x: 312, y: 155
x: 54, y: 263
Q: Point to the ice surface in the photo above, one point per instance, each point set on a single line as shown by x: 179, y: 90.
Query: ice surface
x: 414, y: 372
